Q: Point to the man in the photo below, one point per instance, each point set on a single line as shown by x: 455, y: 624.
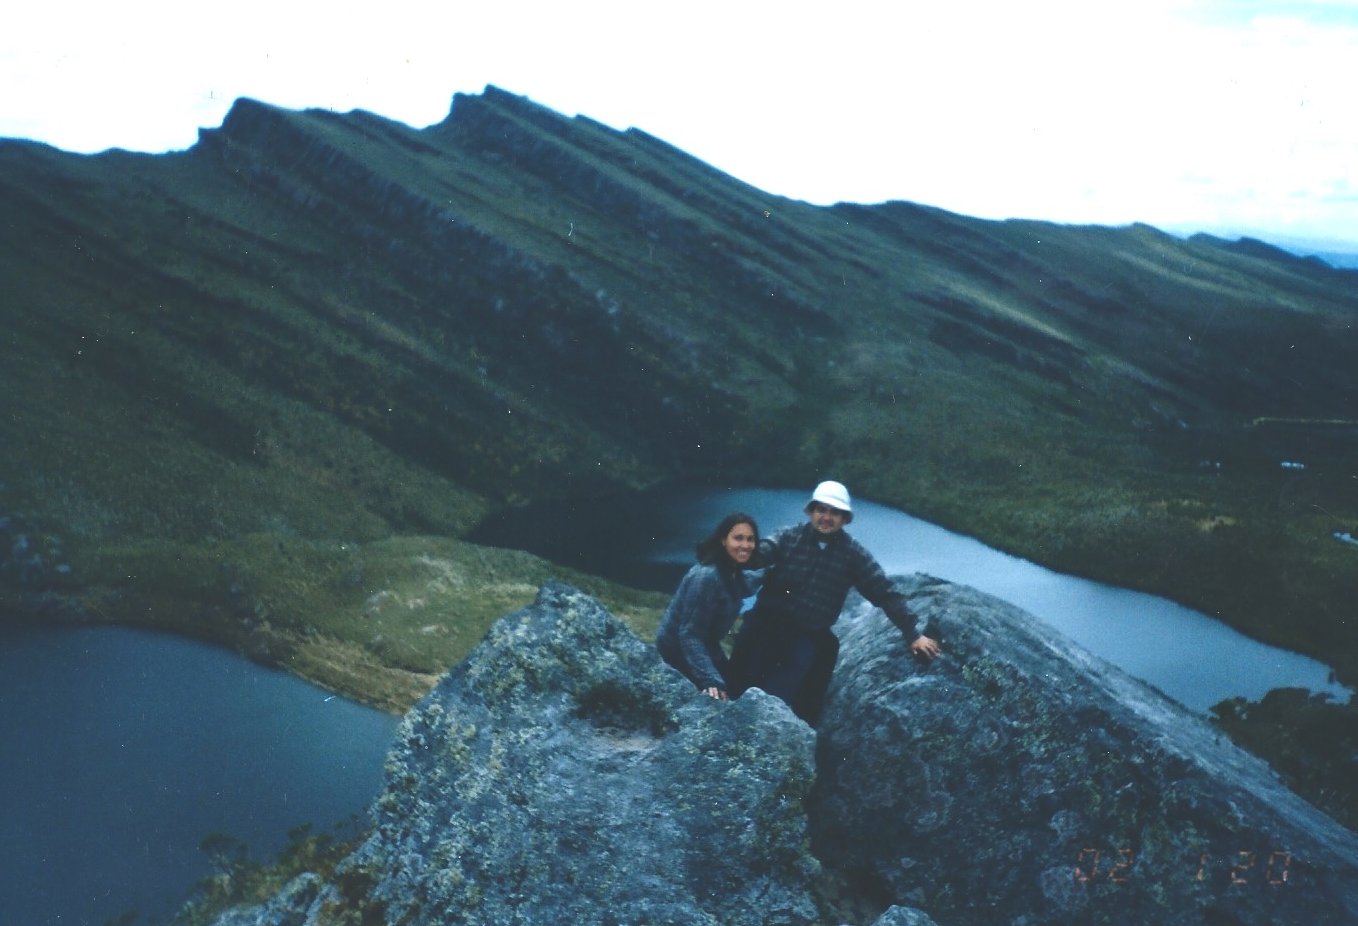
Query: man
x: 785, y: 645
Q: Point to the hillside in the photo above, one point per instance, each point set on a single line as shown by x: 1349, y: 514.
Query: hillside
x: 258, y: 390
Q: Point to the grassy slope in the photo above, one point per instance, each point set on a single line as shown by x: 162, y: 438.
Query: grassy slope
x: 263, y: 386
x: 181, y: 415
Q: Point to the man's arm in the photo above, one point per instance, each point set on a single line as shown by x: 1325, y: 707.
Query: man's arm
x: 872, y: 583
x: 773, y: 548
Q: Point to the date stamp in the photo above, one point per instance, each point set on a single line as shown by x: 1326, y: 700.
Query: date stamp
x: 1246, y: 867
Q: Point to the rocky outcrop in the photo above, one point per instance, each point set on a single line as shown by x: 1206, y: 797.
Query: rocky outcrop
x: 563, y: 774
x: 1018, y: 779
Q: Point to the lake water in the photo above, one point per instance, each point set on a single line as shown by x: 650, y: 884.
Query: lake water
x: 648, y: 540
x: 123, y: 749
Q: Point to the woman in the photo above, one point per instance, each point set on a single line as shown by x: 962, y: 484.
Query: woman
x: 707, y: 603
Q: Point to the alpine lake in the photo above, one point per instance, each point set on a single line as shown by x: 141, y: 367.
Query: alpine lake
x: 125, y: 750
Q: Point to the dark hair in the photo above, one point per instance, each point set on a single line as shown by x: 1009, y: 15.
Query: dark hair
x: 710, y: 550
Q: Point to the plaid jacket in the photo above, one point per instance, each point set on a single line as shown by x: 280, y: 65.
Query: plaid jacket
x: 807, y: 585
x: 699, y: 615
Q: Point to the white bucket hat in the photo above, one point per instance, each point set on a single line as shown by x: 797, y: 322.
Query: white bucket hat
x: 835, y: 495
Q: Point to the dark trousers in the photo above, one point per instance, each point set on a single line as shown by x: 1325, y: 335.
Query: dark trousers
x: 789, y: 663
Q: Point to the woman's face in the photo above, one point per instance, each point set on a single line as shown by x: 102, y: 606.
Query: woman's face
x: 739, y: 543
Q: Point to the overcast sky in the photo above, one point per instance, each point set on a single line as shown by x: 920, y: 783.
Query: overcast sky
x: 1232, y: 116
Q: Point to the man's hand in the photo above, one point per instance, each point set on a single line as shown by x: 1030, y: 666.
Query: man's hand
x: 926, y: 647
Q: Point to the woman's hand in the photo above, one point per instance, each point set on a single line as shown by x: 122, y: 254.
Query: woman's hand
x: 715, y: 692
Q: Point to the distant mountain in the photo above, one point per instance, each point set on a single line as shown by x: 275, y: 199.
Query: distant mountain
x: 1247, y: 245
x: 241, y: 379
x: 1342, y: 259
x: 1335, y: 252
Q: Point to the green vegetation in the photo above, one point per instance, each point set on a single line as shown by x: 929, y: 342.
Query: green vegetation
x: 239, y: 880
x: 258, y: 391
x: 377, y: 621
x: 1309, y: 740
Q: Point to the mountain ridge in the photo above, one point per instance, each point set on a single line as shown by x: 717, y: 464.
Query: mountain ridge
x: 317, y: 327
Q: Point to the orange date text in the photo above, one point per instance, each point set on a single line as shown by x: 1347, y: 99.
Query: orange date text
x: 1119, y: 867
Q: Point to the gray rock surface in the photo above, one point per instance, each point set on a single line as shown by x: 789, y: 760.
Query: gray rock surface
x: 1020, y: 780
x: 564, y: 774
x: 291, y: 906
x: 904, y: 916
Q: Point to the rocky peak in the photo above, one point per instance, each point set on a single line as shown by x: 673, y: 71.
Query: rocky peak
x: 563, y: 773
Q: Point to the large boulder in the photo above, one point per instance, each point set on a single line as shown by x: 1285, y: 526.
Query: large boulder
x: 1019, y: 780
x: 564, y: 774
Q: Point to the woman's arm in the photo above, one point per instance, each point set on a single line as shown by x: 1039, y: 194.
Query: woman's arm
x: 701, y: 605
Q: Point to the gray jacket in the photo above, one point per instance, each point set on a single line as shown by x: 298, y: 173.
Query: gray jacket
x: 699, y: 616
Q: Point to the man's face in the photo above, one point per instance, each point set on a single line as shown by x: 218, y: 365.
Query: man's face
x: 826, y: 520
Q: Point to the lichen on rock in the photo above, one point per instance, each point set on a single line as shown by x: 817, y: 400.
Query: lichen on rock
x: 563, y: 773
x: 1018, y: 779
